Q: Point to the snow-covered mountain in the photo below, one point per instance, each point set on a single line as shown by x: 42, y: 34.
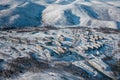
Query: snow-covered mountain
x: 80, y: 50
x: 91, y: 13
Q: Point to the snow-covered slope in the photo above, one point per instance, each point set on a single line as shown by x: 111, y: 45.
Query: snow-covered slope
x: 62, y: 54
x: 91, y: 13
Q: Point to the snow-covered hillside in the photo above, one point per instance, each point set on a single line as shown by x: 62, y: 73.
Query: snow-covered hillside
x: 62, y: 54
x: 91, y: 13
x: 64, y: 40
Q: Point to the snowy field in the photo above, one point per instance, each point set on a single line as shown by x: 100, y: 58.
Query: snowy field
x: 60, y: 54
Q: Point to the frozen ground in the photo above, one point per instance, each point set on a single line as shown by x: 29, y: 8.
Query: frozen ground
x: 60, y: 54
x: 91, y: 13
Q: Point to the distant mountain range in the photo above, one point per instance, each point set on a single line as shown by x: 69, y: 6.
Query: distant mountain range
x: 63, y: 13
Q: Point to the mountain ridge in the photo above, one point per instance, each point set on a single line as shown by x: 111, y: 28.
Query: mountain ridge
x: 90, y: 13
